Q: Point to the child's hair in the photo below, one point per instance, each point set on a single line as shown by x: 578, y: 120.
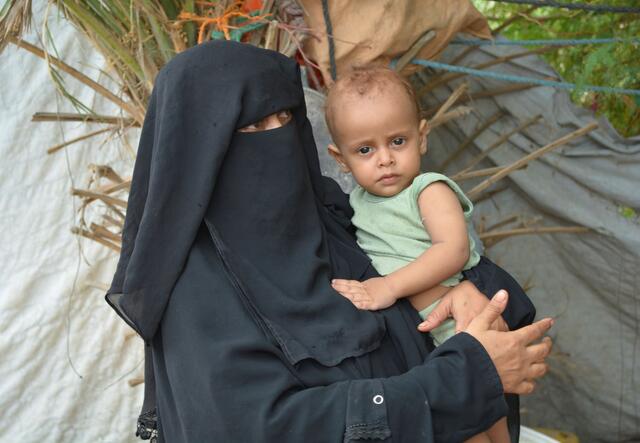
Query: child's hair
x: 363, y: 80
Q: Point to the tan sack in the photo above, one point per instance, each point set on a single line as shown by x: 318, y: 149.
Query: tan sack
x: 372, y: 31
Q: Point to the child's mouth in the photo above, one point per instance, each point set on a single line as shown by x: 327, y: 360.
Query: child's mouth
x: 388, y: 179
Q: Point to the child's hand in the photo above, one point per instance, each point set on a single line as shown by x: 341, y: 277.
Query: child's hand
x: 371, y: 295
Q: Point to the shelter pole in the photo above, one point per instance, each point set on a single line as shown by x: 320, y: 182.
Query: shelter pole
x: 532, y: 156
x: 499, y: 142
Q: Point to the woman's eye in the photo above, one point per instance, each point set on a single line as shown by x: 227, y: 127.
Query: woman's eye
x: 284, y: 117
x: 364, y: 150
x: 253, y: 127
x: 398, y: 141
x: 271, y: 121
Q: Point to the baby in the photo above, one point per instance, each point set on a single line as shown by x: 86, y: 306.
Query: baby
x: 412, y: 225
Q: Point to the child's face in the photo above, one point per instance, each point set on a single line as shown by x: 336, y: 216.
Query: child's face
x: 379, y: 140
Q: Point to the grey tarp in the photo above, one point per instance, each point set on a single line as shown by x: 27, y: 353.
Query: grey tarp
x: 589, y: 282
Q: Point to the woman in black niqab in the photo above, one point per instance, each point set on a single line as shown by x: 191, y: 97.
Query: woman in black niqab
x: 230, y: 243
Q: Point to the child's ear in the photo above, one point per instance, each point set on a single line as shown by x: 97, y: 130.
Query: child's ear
x: 423, y: 129
x: 337, y: 156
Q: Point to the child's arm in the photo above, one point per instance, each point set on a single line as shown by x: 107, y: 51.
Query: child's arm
x: 444, y: 221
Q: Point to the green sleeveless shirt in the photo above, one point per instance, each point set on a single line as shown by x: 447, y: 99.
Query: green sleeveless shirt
x: 390, y: 229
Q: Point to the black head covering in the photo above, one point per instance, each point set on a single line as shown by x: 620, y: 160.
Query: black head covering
x: 276, y: 223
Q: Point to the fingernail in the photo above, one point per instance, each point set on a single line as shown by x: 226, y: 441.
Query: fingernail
x: 501, y: 295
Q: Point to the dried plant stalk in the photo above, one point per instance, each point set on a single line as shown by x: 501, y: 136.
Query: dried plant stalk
x: 467, y: 142
x: 446, y: 78
x: 92, y: 236
x: 137, y: 114
x: 104, y: 232
x: 480, y: 173
x: 528, y: 158
x: 136, y: 381
x: 503, y: 138
x: 455, y: 95
x: 414, y: 49
x: 58, y: 147
x: 86, y: 118
x: 491, y: 238
x: 460, y: 111
x: 99, y: 196
x: 482, y: 94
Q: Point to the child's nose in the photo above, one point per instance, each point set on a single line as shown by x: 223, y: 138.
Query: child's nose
x: 385, y: 157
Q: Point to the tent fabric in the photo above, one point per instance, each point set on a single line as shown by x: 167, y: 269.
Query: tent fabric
x: 378, y: 31
x: 66, y: 357
x: 589, y: 282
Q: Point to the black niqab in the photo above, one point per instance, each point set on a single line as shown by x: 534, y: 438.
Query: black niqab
x: 279, y: 242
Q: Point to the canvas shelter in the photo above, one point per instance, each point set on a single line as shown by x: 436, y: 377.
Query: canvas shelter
x: 71, y: 370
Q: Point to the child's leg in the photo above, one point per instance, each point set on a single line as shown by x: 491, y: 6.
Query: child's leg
x: 479, y: 438
x: 499, y: 432
x: 426, y: 298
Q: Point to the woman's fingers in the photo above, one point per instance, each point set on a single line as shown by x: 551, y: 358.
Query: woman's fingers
x: 534, y: 331
x: 489, y: 314
x: 525, y: 387
x: 537, y: 370
x: 437, y: 316
x: 540, y: 351
x: 500, y: 325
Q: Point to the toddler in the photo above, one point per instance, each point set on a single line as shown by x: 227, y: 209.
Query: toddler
x: 412, y: 225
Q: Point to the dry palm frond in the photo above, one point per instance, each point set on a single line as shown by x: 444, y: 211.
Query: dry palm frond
x: 87, y: 118
x: 59, y: 146
x: 15, y: 18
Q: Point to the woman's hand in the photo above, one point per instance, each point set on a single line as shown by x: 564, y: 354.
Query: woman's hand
x: 463, y: 302
x: 518, y: 361
x: 370, y: 295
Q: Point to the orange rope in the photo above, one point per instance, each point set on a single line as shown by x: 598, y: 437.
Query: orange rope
x: 222, y: 21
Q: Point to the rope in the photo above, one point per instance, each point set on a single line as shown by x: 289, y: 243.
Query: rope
x: 581, y: 6
x: 332, y: 48
x: 520, y: 79
x: 566, y: 42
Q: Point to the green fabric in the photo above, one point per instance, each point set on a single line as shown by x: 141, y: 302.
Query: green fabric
x: 390, y: 229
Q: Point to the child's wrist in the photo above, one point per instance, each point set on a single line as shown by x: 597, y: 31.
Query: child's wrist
x: 392, y: 285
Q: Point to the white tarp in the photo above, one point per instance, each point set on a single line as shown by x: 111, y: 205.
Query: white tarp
x: 65, y: 357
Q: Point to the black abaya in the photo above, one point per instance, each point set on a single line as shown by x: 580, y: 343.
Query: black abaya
x: 230, y: 244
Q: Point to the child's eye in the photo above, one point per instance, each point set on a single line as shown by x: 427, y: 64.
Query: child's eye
x: 364, y: 150
x: 398, y: 141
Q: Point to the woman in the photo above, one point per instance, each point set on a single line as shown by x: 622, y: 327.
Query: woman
x: 230, y: 243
